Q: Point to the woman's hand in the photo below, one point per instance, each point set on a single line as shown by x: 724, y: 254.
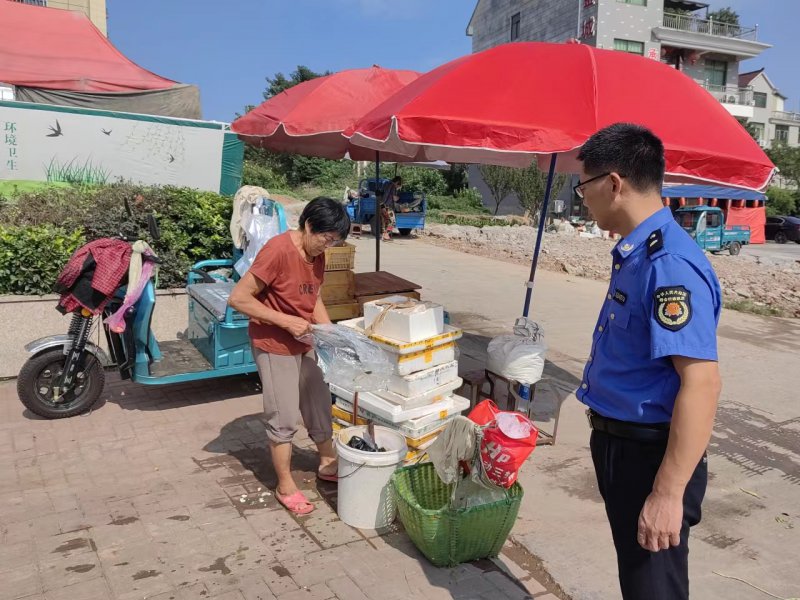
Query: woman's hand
x: 297, y: 326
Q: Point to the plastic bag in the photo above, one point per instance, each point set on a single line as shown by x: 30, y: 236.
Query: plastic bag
x: 508, y: 440
x: 259, y: 229
x: 350, y: 359
x: 520, y: 356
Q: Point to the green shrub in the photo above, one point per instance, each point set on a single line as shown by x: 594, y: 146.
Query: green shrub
x: 32, y: 257
x: 194, y: 224
x: 467, y: 201
x: 781, y: 201
x: 263, y: 176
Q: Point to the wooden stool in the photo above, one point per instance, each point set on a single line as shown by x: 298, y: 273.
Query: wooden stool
x: 355, y: 230
x: 475, y: 381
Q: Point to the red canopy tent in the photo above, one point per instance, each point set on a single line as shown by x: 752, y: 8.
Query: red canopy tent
x: 59, y: 57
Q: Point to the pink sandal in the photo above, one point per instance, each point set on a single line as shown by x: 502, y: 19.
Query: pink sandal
x: 297, y: 503
x: 332, y: 477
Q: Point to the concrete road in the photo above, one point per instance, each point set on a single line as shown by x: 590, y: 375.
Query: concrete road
x: 751, y: 518
x: 779, y: 252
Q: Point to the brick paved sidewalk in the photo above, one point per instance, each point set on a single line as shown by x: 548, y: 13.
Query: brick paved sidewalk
x: 142, y: 498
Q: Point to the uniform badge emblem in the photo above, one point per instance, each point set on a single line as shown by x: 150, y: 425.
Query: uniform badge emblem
x: 672, y: 307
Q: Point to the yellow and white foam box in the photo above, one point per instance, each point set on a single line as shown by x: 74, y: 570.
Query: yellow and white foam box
x: 410, y: 357
x: 393, y: 413
x: 414, y: 429
x: 426, y: 398
x: 404, y: 319
x: 344, y: 418
x: 422, y: 382
x: 414, y: 454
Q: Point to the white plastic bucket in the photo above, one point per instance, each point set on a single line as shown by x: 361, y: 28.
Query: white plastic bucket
x: 365, y: 494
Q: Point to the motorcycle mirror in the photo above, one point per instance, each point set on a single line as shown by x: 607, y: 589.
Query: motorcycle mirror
x: 152, y: 225
x: 128, y: 207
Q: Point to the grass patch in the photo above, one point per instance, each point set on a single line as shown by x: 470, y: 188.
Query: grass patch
x: 73, y: 172
x: 748, y: 306
x: 13, y: 188
x: 469, y: 219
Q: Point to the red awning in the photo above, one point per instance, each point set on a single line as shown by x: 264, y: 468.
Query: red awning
x: 62, y: 50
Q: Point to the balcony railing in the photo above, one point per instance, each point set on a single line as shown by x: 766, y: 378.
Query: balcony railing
x: 786, y: 116
x: 33, y: 2
x: 708, y: 26
x: 730, y: 94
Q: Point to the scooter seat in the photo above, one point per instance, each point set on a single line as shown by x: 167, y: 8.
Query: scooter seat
x: 212, y: 296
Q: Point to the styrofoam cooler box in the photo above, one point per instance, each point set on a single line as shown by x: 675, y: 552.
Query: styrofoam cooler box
x: 416, y: 430
x: 410, y: 357
x: 425, y: 398
x: 395, y: 413
x: 416, y: 384
x: 414, y: 322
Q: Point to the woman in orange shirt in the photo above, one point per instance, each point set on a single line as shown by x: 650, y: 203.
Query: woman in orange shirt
x: 281, y: 295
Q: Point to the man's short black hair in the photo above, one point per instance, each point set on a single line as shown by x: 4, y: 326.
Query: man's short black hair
x: 627, y: 149
x: 397, y: 179
x: 326, y: 215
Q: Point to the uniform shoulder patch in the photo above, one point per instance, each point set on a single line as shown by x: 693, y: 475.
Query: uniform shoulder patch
x: 655, y: 242
x: 672, y: 307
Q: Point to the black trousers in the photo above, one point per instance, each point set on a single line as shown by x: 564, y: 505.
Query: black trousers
x: 626, y: 470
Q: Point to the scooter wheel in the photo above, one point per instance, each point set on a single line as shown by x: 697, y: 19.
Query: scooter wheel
x: 39, y: 374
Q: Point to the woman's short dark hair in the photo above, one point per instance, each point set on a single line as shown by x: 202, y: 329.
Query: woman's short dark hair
x: 397, y: 179
x: 326, y: 215
x: 627, y: 149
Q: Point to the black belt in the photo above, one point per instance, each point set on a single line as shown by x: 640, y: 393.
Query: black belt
x: 641, y: 432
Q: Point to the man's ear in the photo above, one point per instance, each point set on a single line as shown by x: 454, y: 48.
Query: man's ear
x: 616, y: 183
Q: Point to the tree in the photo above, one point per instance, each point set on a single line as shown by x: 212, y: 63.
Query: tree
x: 500, y: 181
x: 780, y: 202
x: 279, y: 83
x: 724, y: 15
x: 745, y: 122
x: 787, y: 159
x: 456, y: 178
x: 530, y: 184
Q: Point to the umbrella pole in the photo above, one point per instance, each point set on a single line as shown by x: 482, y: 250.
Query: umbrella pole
x: 378, y: 216
x: 542, y: 218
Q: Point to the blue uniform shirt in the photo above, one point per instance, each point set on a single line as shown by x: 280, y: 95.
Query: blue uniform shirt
x: 664, y: 300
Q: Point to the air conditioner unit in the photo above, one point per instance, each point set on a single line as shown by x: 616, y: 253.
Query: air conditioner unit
x: 731, y: 100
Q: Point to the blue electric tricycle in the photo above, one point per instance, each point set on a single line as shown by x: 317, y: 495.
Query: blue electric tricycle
x: 411, y: 207
x: 65, y: 374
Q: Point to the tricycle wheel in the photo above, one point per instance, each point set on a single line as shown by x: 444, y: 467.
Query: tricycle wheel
x: 405, y: 231
x: 734, y: 248
x: 38, y: 376
x: 780, y: 237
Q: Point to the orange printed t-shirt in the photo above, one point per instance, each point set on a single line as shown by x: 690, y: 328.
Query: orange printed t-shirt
x: 292, y: 287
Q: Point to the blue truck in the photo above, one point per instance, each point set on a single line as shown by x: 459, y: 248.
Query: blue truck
x: 706, y: 225
x: 411, y: 207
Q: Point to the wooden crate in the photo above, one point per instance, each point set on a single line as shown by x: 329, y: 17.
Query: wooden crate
x: 362, y: 299
x: 338, y: 287
x: 340, y: 258
x: 345, y: 310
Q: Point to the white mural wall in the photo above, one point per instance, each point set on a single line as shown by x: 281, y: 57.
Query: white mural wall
x: 57, y: 144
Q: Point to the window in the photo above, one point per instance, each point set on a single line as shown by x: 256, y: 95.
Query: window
x: 629, y: 46
x: 782, y: 133
x: 717, y: 72
x: 712, y: 219
x: 757, y: 129
x: 515, y: 19
x: 760, y: 99
x: 637, y: 2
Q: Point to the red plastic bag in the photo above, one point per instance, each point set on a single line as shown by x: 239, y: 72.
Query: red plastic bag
x: 508, y: 440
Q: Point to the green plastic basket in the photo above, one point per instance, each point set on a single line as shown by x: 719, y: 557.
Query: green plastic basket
x: 447, y: 536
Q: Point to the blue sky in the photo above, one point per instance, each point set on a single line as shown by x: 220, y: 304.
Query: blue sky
x: 229, y: 47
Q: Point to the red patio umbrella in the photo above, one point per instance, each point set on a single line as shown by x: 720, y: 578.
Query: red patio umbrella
x: 310, y: 118
x: 518, y: 102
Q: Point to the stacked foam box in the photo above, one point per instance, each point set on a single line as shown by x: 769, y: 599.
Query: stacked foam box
x: 419, y: 400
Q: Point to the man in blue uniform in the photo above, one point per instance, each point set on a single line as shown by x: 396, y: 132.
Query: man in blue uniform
x: 651, y: 381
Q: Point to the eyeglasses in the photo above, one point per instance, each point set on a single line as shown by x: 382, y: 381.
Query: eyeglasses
x: 331, y: 239
x: 578, y: 189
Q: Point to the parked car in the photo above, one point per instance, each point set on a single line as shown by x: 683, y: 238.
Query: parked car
x: 783, y: 229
